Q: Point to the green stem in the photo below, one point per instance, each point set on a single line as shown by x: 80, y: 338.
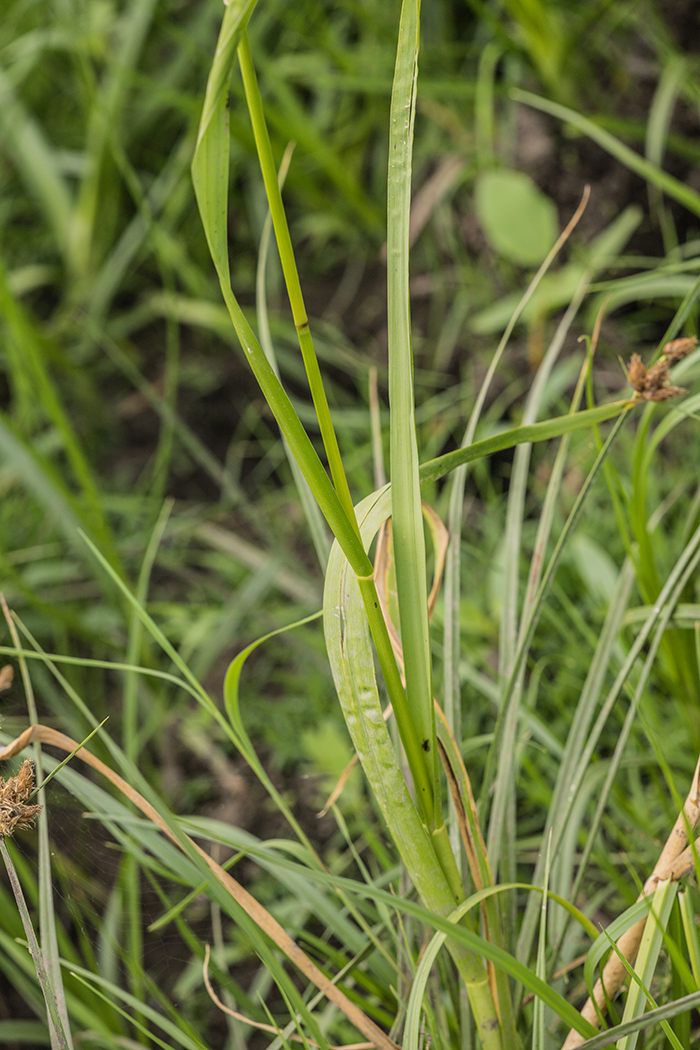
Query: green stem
x: 55, y: 1023
x: 297, y: 438
x: 392, y: 679
x: 470, y: 966
x: 446, y: 857
x: 291, y: 276
x: 349, y: 540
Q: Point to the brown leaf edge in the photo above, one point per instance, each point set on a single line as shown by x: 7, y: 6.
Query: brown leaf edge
x: 45, y: 735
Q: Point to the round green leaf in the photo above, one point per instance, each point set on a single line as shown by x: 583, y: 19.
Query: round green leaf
x: 518, y: 220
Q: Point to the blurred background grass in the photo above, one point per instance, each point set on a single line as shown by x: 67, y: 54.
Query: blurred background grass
x: 121, y: 385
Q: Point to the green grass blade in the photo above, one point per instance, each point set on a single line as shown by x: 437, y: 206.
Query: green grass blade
x: 117, y: 994
x: 672, y: 187
x: 644, y: 1023
x: 510, y: 694
x: 59, y: 1039
x: 158, y: 635
x: 435, y: 469
x: 292, y: 121
x: 313, y: 516
x: 196, y: 448
x: 291, y: 276
x: 104, y: 119
x: 458, y: 485
x: 691, y: 933
x: 242, y: 740
x: 113, y: 271
x: 29, y: 1033
x: 210, y: 166
x: 538, y: 1020
x: 210, y: 178
x: 233, y: 727
x: 28, y: 363
x: 658, y: 127
x: 512, y: 637
x: 407, y: 517
x: 647, y: 959
x: 41, y: 479
x: 658, y: 618
x: 350, y: 655
x: 64, y: 761
x: 572, y: 767
x: 516, y: 498
x: 136, y: 628
x: 37, y: 163
x: 601, y: 945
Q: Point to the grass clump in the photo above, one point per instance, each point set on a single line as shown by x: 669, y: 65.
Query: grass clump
x: 510, y: 621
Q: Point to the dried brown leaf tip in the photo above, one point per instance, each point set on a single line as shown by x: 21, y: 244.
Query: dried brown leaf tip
x: 14, y: 811
x: 6, y: 676
x: 652, y: 384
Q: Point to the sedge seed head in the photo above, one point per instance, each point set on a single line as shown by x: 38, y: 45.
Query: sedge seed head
x: 677, y: 349
x: 14, y: 810
x: 651, y: 384
x: 636, y: 373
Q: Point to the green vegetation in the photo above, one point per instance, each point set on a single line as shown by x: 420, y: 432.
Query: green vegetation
x: 256, y: 260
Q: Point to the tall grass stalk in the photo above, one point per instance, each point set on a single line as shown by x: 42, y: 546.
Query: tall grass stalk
x: 428, y: 851
x: 59, y: 1038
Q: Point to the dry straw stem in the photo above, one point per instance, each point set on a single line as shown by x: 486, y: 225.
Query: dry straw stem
x: 45, y: 735
x: 676, y: 861
x: 261, y: 1027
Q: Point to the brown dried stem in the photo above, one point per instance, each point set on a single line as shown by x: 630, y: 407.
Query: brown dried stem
x: 675, y: 861
x: 260, y: 1025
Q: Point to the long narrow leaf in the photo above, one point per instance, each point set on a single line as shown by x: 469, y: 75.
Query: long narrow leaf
x: 435, y: 469
x: 407, y: 516
x: 669, y: 185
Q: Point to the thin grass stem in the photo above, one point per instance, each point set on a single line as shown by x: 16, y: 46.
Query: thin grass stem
x: 291, y: 276
x: 58, y: 1035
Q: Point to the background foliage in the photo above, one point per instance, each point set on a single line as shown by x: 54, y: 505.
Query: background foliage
x: 128, y: 412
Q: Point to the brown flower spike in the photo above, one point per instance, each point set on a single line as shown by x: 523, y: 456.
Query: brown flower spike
x: 14, y: 811
x: 652, y: 384
x: 677, y: 349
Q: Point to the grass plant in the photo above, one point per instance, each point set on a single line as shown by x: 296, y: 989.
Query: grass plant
x: 525, y: 743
